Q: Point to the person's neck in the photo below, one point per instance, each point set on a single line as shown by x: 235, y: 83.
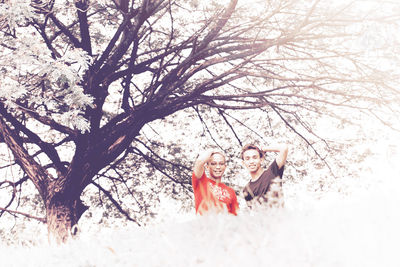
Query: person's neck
x: 217, y: 180
x: 255, y: 175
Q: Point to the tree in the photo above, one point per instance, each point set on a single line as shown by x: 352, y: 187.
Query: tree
x: 80, y: 79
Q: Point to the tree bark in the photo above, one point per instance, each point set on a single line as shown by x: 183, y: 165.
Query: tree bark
x: 62, y: 216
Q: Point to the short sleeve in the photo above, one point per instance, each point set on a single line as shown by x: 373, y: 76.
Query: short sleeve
x: 275, y: 169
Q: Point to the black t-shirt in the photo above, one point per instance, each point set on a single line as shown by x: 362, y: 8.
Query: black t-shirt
x: 267, y: 188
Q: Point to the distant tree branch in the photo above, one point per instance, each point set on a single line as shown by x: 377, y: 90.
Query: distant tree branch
x: 222, y: 113
x: 206, y: 128
x: 159, y: 162
x: 245, y: 125
x: 290, y: 126
x: 82, y: 6
x: 46, y: 148
x: 43, y: 220
x: 114, y: 167
x: 114, y: 202
x: 47, y: 121
x: 34, y: 171
x: 14, y: 192
x: 64, y: 29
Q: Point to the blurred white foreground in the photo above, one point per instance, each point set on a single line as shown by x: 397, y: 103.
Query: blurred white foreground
x: 359, y: 231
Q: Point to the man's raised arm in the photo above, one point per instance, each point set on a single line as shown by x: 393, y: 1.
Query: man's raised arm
x: 282, y: 149
x: 203, y: 158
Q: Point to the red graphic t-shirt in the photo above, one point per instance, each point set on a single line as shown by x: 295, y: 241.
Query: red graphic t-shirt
x: 209, y: 194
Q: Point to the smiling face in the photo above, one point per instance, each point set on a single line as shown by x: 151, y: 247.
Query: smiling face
x: 252, y: 160
x: 216, y: 166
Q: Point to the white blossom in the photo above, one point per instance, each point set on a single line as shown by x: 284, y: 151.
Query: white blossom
x: 16, y: 12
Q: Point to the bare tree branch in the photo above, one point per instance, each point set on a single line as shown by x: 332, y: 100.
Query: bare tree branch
x: 115, y: 203
x: 43, y: 220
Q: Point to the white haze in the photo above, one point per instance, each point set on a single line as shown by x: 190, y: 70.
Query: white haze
x: 361, y: 229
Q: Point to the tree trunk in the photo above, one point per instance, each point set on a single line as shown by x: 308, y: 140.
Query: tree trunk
x: 62, y: 217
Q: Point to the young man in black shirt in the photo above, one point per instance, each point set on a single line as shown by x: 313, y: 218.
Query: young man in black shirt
x: 265, y: 186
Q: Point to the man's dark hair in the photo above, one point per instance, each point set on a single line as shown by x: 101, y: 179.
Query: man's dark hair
x: 249, y: 147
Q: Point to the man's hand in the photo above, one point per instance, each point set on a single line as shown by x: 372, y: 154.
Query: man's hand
x: 282, y: 149
x: 202, y: 159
